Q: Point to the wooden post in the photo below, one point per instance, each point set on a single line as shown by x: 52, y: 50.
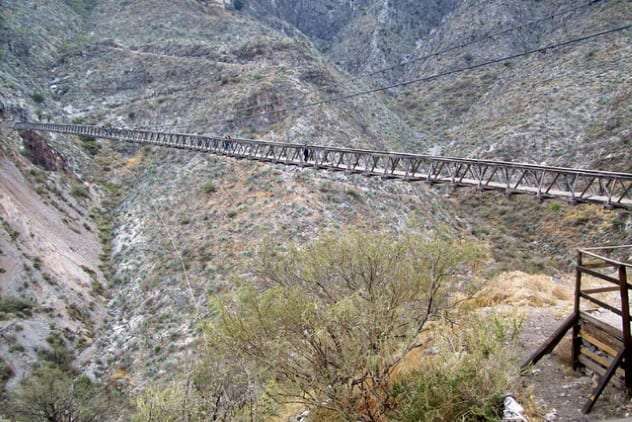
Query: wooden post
x: 576, y: 344
x: 625, y: 318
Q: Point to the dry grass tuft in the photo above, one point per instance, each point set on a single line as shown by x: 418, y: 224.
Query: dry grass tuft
x: 520, y: 289
x: 134, y: 161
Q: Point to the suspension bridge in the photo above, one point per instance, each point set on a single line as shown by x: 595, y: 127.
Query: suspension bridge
x: 612, y: 189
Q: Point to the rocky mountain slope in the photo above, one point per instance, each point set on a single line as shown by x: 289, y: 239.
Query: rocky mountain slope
x: 52, y: 295
x: 161, y: 229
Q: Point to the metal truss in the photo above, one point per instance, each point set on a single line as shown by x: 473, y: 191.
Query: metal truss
x: 611, y: 189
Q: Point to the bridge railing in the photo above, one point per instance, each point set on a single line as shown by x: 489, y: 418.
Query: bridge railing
x: 612, y: 189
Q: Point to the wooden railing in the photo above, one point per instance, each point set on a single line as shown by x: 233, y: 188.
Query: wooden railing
x: 604, y: 345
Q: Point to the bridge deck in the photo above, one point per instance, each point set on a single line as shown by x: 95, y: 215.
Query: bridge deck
x: 613, y: 189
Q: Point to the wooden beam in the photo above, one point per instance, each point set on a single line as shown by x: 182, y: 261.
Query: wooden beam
x: 601, y: 303
x: 551, y: 342
x: 600, y: 290
x: 598, y: 275
x: 625, y: 328
x: 585, y: 318
x: 603, y: 382
x: 598, y: 343
x: 601, y: 371
x: 599, y: 264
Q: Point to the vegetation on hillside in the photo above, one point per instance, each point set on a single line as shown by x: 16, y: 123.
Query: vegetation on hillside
x: 51, y: 394
x: 332, y: 326
x: 56, y: 392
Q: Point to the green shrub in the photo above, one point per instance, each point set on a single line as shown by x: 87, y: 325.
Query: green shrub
x: 339, y: 313
x: 209, y: 187
x: 89, y: 145
x: 15, y: 306
x: 57, y: 354
x: 467, y: 379
x: 5, y: 374
x: 79, y: 191
x: 555, y: 207
x: 38, y: 98
x: 220, y: 390
x: 17, y: 348
x: 97, y: 288
x: 51, y: 394
x: 88, y: 271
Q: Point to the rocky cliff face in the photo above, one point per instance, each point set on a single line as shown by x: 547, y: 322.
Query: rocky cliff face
x: 52, y: 294
x: 358, y: 36
x: 159, y: 230
x: 541, y: 108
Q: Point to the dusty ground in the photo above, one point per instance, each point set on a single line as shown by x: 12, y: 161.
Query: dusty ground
x: 556, y: 388
x: 48, y: 251
x: 552, y: 391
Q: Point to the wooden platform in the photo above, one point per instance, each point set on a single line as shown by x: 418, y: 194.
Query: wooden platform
x: 598, y: 345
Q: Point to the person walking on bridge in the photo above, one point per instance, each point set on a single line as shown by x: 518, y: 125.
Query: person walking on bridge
x: 227, y: 140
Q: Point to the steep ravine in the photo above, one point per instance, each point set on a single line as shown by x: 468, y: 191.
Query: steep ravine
x: 160, y: 230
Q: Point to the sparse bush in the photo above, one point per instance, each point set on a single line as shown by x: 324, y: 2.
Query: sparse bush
x: 14, y: 306
x: 209, y: 187
x: 217, y: 390
x: 354, y: 194
x: 97, y: 288
x: 53, y: 395
x: 57, y: 354
x: 79, y: 191
x: 466, y: 379
x: 16, y: 348
x: 5, y: 374
x: 88, y: 271
x: 340, y: 314
x: 89, y: 145
x: 37, y: 97
x: 14, y: 234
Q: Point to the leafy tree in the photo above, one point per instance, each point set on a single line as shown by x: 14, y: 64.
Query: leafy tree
x: 53, y: 395
x: 216, y: 390
x: 330, y: 321
x: 57, y: 354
